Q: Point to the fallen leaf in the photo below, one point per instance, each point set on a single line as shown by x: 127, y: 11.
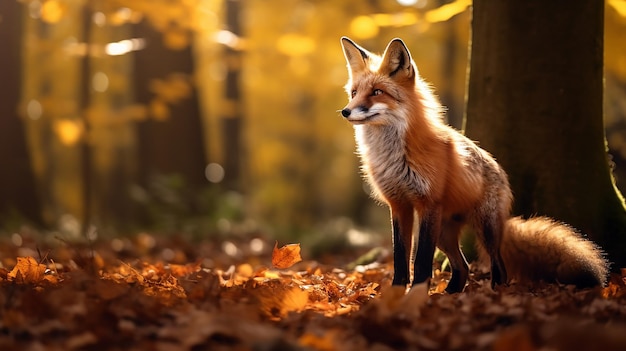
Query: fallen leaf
x: 324, y: 342
x: 27, y: 270
x: 295, y: 300
x: 286, y: 256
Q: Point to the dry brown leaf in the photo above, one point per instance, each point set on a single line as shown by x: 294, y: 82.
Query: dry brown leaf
x: 325, y: 342
x: 141, y: 302
x: 295, y: 300
x: 517, y: 338
x: 27, y: 270
x: 179, y: 270
x: 286, y: 256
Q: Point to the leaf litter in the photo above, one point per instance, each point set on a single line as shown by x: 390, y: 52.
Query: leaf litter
x: 154, y: 293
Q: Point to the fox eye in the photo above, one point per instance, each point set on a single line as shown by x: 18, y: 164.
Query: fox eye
x: 377, y: 92
x: 353, y: 94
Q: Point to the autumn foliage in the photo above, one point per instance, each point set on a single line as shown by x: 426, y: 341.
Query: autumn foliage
x: 107, y: 296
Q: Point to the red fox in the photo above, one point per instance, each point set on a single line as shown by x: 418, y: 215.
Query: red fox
x: 431, y: 174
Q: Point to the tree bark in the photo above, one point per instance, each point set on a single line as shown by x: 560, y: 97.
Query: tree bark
x: 535, y: 100
x: 174, y: 145
x: 17, y: 180
x: 232, y: 123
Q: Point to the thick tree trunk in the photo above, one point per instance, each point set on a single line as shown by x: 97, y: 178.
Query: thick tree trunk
x: 535, y: 101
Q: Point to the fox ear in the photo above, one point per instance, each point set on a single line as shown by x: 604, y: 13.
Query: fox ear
x: 397, y: 60
x: 356, y: 56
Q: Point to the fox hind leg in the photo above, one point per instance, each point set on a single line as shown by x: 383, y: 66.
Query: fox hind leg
x: 491, y: 237
x: 449, y: 244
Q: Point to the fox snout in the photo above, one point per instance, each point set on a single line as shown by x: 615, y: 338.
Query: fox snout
x: 346, y: 112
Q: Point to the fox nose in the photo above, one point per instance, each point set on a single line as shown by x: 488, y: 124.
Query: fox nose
x: 346, y: 112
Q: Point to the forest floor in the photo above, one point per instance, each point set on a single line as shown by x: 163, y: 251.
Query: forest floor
x: 156, y: 293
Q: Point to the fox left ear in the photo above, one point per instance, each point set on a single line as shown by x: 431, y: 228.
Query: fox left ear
x: 356, y: 56
x: 397, y: 60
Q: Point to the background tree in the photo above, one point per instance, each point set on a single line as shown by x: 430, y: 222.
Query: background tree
x: 170, y: 145
x: 171, y: 141
x: 535, y: 99
x: 17, y: 181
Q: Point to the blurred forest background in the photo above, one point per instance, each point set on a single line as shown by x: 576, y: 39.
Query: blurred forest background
x: 209, y: 116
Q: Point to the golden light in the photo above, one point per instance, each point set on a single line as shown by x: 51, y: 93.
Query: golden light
x: 99, y: 18
x: 159, y: 110
x: 619, y: 6
x: 124, y: 47
x: 447, y: 11
x: 52, y: 11
x: 69, y: 131
x: 227, y: 38
x: 395, y: 19
x: 34, y: 110
x: 176, y: 38
x: 100, y: 82
x: 293, y: 44
x: 364, y: 27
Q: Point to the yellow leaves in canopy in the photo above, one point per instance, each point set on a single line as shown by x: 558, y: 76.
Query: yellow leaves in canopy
x: 53, y: 10
x: 176, y: 38
x: 124, y: 15
x: 293, y: 44
x: 159, y: 110
x: 366, y: 27
x: 172, y: 89
x: 135, y: 112
x: 395, y: 19
x: 168, y: 91
x: 619, y: 6
x: 363, y: 27
x: 447, y: 11
x: 69, y: 131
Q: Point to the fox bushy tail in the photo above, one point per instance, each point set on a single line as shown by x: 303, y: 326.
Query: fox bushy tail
x: 542, y: 249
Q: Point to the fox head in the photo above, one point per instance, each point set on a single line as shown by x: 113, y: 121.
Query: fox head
x: 379, y: 88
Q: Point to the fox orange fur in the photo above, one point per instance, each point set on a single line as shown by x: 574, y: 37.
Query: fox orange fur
x: 431, y: 175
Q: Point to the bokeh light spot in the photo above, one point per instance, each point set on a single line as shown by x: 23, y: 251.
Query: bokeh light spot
x: 214, y: 172
x: 364, y: 27
x: 34, y: 109
x: 100, y: 82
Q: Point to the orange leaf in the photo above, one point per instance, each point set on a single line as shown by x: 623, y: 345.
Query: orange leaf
x: 286, y: 256
x: 324, y: 342
x: 295, y: 299
x: 27, y: 270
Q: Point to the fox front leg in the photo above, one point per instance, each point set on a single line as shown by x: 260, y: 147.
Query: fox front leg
x: 402, y: 236
x: 429, y: 230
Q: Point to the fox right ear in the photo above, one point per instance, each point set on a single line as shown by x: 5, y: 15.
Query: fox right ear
x: 397, y: 60
x: 356, y: 56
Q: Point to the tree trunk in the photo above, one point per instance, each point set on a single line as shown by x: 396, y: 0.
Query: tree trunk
x: 232, y: 123
x: 17, y: 180
x: 535, y: 100
x: 174, y: 145
x: 86, y: 164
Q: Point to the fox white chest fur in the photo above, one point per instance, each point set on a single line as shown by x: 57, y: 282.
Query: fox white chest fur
x: 383, y: 157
